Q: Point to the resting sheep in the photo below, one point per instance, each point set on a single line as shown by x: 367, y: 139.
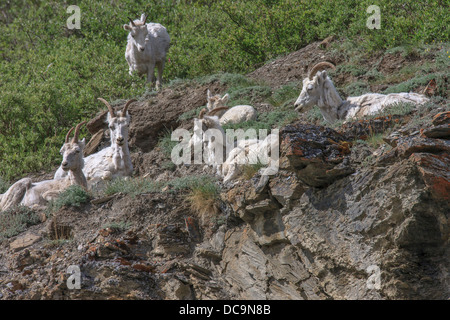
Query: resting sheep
x: 318, y: 89
x: 209, y: 138
x: 227, y: 157
x: 236, y: 114
x: 25, y: 192
x: 252, y: 151
x: 147, y: 47
x: 112, y: 161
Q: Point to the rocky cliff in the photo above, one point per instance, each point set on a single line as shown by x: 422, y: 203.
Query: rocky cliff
x: 342, y: 219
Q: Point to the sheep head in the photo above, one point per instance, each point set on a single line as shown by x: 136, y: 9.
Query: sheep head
x: 72, y: 150
x: 313, y: 86
x: 208, y: 120
x: 318, y: 89
x: 216, y: 101
x: 118, y: 123
x: 138, y: 32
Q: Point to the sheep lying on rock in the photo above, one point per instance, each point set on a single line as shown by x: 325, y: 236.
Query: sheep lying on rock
x: 236, y: 114
x: 112, y: 161
x: 318, y: 89
x: 31, y: 194
x: 228, y: 156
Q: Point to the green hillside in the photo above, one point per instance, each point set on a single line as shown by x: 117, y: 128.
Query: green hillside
x: 50, y: 76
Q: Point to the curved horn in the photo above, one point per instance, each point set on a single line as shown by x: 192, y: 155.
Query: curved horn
x: 202, y: 113
x: 213, y: 111
x: 68, y: 134
x: 77, y: 132
x: 111, y: 110
x: 132, y: 22
x: 319, y: 66
x: 125, y: 109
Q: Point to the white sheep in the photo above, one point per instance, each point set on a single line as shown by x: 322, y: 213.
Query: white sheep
x: 208, y: 141
x: 147, y: 47
x: 236, y: 114
x: 112, y: 161
x: 228, y: 156
x: 26, y: 193
x: 252, y: 151
x: 318, y: 89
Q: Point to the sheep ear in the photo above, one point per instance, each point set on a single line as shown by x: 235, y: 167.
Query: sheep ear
x: 143, y: 17
x: 208, y: 94
x: 225, y: 98
x: 82, y: 143
x: 321, y: 76
x: 127, y: 27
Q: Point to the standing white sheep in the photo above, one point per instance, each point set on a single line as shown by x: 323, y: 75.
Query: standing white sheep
x: 147, y: 47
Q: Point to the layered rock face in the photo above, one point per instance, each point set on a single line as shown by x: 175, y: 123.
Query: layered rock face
x: 338, y: 221
x: 324, y: 229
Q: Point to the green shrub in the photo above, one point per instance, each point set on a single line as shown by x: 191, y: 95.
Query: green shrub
x: 131, y: 186
x: 16, y: 220
x: 285, y: 95
x: 73, y: 196
x: 4, y: 185
x: 119, y: 226
x: 356, y: 88
x: 441, y: 79
x: 191, y: 182
x: 314, y: 114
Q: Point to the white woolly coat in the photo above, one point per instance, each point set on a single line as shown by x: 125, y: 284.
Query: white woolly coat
x: 155, y: 51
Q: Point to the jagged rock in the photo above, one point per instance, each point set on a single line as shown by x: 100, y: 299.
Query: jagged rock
x: 92, y: 145
x: 435, y: 173
x: 170, y: 240
x: 177, y: 290
x: 24, y: 241
x: 286, y: 187
x: 315, y: 153
x: 259, y: 210
x: 440, y: 131
x: 413, y: 144
x: 441, y: 118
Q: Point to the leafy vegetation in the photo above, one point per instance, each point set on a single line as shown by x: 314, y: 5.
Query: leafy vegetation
x: 203, y: 199
x: 131, y: 186
x: 136, y: 186
x: 16, y: 220
x: 73, y: 196
x: 51, y: 76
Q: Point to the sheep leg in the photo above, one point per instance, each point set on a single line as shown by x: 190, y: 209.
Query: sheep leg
x: 160, y: 66
x: 50, y: 195
x: 15, y: 194
x: 151, y: 74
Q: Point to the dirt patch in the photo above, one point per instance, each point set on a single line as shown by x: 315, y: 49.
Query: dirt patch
x: 294, y: 66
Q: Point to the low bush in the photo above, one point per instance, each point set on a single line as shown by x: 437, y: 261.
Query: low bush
x: 16, y: 220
